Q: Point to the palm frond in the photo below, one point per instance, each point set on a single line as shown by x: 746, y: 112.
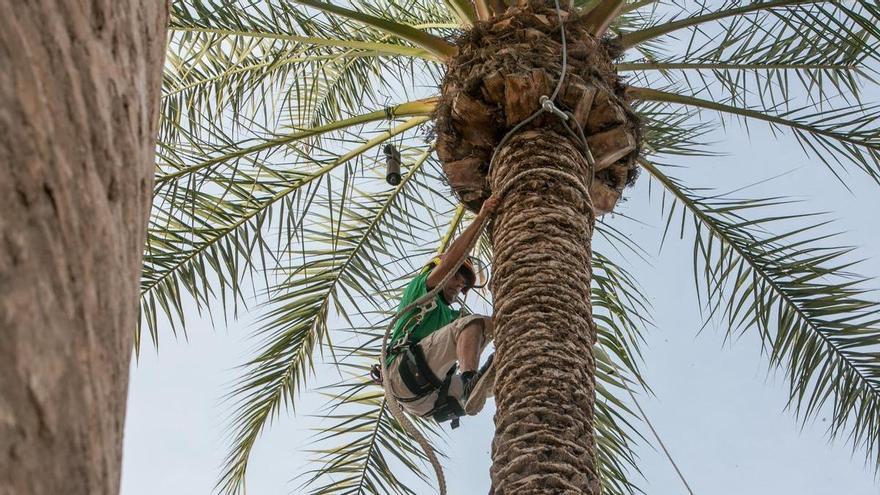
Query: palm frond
x: 766, y: 50
x: 438, y: 46
x: 799, y: 295
x: 811, y: 15
x: 773, y: 84
x: 619, y: 307
x: 329, y: 272
x: 211, y: 232
x: 598, y: 16
x: 848, y: 135
x: 463, y: 10
x: 671, y: 130
x: 173, y: 168
x: 275, y: 62
x: 364, y: 450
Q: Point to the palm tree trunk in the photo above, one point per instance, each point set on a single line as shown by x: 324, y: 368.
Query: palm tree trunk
x: 79, y: 94
x: 544, y: 390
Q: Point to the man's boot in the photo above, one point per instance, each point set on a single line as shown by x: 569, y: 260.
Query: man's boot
x: 480, y: 387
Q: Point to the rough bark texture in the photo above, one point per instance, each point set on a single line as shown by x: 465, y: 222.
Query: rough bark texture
x: 503, y: 68
x: 79, y: 94
x: 544, y: 334
x: 545, y: 385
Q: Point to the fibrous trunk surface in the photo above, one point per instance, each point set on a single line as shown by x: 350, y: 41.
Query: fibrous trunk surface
x: 544, y: 388
x: 79, y: 95
x: 545, y: 384
x: 502, y: 69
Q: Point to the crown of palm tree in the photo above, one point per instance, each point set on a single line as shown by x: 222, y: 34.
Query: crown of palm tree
x: 267, y: 181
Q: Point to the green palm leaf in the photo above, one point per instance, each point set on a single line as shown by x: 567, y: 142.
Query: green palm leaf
x: 438, y: 46
x: 229, y: 154
x: 810, y: 15
x: 799, y: 295
x: 356, y: 453
x: 336, y: 271
x: 274, y: 62
x: 848, y: 133
x: 195, y: 235
x: 764, y: 50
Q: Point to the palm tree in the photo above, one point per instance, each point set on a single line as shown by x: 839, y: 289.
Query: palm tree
x: 79, y: 96
x: 274, y: 115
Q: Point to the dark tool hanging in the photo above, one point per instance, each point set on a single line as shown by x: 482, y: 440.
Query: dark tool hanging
x: 392, y: 164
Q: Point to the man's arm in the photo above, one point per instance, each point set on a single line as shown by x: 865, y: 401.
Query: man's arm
x: 459, y: 247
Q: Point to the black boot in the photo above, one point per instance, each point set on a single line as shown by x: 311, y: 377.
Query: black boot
x: 469, y: 379
x: 480, y: 387
x: 468, y: 382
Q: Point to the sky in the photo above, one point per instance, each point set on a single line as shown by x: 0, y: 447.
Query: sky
x: 715, y: 404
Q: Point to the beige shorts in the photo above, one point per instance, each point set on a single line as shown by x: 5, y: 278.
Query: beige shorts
x: 439, y: 350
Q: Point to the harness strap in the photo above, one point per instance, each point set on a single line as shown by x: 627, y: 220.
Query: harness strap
x: 412, y: 322
x: 447, y: 408
x: 416, y: 374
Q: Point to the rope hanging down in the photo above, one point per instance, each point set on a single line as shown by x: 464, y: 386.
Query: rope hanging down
x: 644, y: 416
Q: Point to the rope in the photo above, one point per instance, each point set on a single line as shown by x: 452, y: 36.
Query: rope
x: 651, y: 427
x: 548, y: 105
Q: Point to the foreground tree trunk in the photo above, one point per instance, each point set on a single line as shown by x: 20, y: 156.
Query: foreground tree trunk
x: 79, y: 92
x: 544, y: 390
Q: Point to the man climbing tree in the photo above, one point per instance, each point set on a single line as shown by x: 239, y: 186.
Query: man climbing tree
x: 431, y: 341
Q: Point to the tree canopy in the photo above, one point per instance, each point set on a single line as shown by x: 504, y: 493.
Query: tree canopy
x: 269, y: 193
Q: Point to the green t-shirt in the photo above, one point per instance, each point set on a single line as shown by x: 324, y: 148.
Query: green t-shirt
x: 434, y: 320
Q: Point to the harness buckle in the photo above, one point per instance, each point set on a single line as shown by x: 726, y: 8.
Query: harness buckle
x: 376, y: 373
x: 447, y: 408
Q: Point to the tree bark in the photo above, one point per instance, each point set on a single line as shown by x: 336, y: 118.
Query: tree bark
x: 79, y: 95
x: 545, y: 384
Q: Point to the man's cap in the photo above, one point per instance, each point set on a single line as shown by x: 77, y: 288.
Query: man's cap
x: 466, y: 269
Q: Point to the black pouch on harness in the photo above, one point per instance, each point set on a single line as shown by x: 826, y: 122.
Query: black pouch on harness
x: 415, y: 372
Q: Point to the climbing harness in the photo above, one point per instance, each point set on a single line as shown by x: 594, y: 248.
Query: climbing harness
x: 421, y: 381
x: 548, y: 106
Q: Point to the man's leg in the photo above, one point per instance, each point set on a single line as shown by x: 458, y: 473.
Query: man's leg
x: 418, y: 407
x: 466, y: 336
x: 470, y: 343
x: 444, y: 347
